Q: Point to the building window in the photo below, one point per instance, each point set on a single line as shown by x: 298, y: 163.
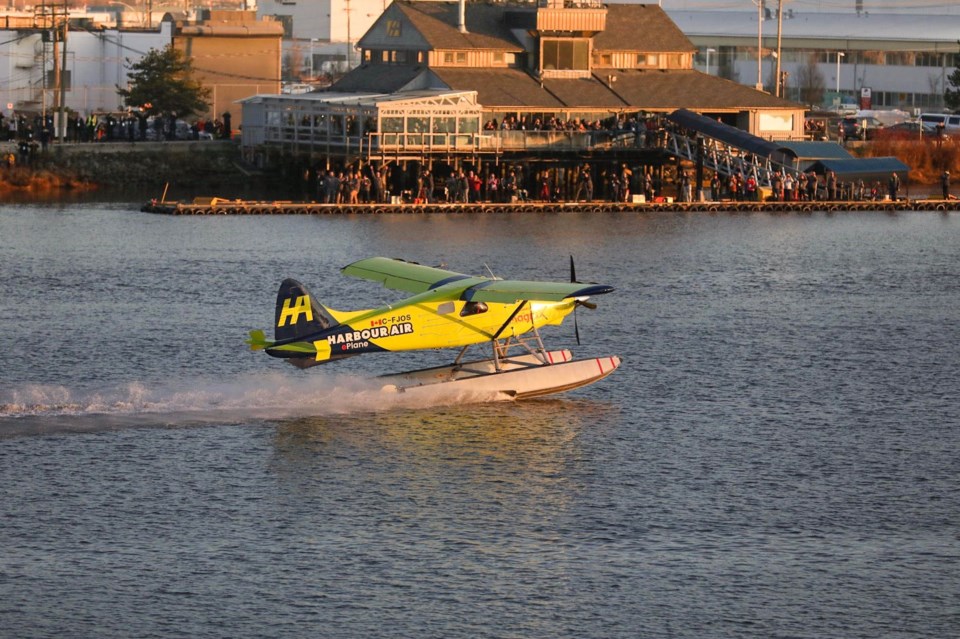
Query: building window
x: 469, y: 124
x: 461, y: 57
x: 566, y: 55
x: 498, y: 57
x: 448, y: 58
x: 392, y: 125
x: 606, y: 60
x: 647, y: 60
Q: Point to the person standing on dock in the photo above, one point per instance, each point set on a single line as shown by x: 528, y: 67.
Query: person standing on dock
x: 584, y: 184
x: 331, y: 187
x: 493, y: 187
x: 475, y: 184
x: 812, y: 187
x: 945, y: 184
x: 832, y: 186
x: 750, y: 188
x: 685, y: 188
x: 894, y: 187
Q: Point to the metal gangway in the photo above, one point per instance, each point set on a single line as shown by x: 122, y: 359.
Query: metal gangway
x: 726, y: 149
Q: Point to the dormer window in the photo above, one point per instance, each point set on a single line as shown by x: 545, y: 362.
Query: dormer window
x: 565, y: 55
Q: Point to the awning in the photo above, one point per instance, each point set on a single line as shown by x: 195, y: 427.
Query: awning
x: 862, y: 168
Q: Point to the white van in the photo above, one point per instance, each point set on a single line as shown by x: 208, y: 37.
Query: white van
x: 951, y: 123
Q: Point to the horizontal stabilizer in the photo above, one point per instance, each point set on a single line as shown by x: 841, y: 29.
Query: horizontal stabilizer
x: 257, y: 340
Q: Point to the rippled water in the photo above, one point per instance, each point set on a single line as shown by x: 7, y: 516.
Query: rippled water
x: 777, y: 457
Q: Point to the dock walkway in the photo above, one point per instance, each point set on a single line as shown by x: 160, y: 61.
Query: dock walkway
x: 216, y: 206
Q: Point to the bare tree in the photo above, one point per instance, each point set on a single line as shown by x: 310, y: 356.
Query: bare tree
x: 809, y: 81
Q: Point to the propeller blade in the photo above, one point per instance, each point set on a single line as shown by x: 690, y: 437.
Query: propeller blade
x: 589, y: 305
x: 573, y: 271
x: 576, y: 327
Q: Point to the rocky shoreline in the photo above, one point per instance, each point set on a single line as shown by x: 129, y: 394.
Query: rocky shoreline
x: 143, y: 166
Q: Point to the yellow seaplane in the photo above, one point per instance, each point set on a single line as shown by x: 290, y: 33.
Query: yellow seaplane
x: 447, y: 310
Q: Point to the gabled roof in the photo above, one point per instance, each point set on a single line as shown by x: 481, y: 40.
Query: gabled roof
x: 641, y: 27
x: 584, y: 92
x: 382, y: 78
x: 686, y: 88
x: 437, y: 23
x: 514, y: 88
x: 499, y: 87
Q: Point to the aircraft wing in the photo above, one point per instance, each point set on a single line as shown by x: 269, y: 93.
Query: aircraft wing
x: 510, y: 291
x: 416, y: 278
x: 401, y: 275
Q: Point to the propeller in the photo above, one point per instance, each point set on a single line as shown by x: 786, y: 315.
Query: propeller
x: 583, y: 302
x: 576, y: 303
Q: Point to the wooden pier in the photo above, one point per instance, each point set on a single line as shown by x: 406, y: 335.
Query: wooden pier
x: 217, y: 206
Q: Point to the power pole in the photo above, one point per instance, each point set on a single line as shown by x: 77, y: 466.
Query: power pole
x: 779, y: 30
x: 62, y: 121
x: 55, y: 34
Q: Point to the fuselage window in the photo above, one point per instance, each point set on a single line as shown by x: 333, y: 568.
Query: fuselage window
x: 473, y: 308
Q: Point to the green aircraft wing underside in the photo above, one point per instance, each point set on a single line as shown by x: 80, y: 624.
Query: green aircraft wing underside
x: 511, y: 291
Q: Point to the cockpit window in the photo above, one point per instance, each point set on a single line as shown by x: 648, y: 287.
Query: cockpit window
x: 473, y: 308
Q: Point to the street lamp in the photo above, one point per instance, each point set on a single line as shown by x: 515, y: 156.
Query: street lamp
x: 840, y: 56
x: 759, y: 4
x: 709, y: 51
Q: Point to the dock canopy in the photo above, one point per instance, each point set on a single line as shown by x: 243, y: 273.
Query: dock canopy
x: 862, y: 168
x: 806, y: 154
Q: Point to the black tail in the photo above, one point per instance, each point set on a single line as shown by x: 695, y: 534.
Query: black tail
x: 297, y: 314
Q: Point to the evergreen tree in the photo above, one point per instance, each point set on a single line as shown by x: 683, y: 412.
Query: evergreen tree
x: 162, y: 83
x: 951, y: 97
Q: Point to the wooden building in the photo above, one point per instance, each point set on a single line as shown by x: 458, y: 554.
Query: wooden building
x: 233, y: 54
x: 554, y: 79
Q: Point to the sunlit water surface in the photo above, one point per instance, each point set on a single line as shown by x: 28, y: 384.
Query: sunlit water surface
x: 777, y: 457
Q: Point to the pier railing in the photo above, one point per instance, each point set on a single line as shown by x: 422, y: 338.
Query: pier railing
x: 493, y: 142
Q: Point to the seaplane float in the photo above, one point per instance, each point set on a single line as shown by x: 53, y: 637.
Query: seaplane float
x: 447, y: 310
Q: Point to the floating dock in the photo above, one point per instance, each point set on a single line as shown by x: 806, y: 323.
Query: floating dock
x: 217, y: 206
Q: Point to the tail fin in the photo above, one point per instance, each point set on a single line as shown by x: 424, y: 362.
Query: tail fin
x: 297, y: 314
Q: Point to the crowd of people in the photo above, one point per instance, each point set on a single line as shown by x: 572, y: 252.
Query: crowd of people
x: 584, y: 183
x: 109, y: 127
x: 804, y: 187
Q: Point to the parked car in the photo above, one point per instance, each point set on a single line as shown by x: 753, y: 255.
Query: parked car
x: 909, y: 130
x: 950, y: 123
x: 855, y: 128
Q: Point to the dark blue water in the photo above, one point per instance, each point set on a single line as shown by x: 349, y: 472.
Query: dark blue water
x: 777, y: 457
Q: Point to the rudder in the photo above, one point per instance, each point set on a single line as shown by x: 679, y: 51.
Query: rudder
x: 297, y: 314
